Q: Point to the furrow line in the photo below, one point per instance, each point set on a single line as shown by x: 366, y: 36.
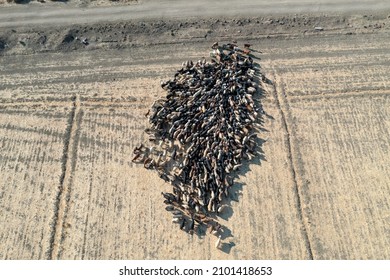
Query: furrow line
x: 68, y: 166
x: 292, y: 169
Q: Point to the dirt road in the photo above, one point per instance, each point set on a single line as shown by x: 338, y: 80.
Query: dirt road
x: 70, y: 116
x: 146, y: 9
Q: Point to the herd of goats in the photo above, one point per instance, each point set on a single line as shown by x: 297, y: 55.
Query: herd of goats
x: 201, y: 130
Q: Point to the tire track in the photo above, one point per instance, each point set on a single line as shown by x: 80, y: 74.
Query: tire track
x: 68, y: 166
x: 341, y: 95
x: 101, y: 104
x: 90, y: 103
x: 91, y: 177
x: 279, y: 100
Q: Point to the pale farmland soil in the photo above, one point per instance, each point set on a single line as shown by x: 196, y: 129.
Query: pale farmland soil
x: 112, y: 208
x: 31, y: 162
x: 320, y: 190
x: 337, y: 110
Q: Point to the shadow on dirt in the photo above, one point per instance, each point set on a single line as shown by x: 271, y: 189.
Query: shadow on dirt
x: 20, y: 1
x: 3, y: 44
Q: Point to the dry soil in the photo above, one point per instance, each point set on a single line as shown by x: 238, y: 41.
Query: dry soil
x: 71, y: 115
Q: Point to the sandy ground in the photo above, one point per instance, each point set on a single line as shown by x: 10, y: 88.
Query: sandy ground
x: 70, y: 116
x: 66, y: 13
